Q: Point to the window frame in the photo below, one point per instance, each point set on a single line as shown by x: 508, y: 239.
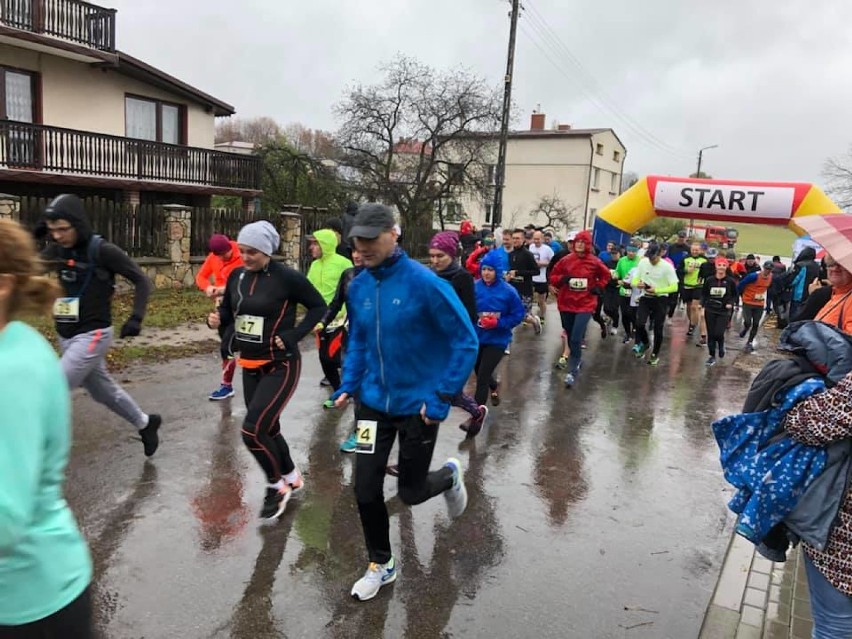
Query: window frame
x: 35, y: 92
x: 613, y: 184
x: 616, y: 156
x: 599, y: 148
x: 596, y: 178
x: 159, y: 104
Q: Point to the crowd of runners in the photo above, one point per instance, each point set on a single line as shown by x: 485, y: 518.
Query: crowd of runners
x: 397, y: 340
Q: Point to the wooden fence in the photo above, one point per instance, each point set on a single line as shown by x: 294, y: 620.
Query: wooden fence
x: 207, y: 222
x: 138, y: 229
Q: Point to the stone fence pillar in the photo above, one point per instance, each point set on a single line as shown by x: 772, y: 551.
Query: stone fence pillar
x: 290, y: 229
x: 10, y: 207
x: 178, y: 231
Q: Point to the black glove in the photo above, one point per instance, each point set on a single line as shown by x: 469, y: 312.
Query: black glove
x: 566, y: 280
x: 597, y: 290
x: 40, y: 232
x: 291, y: 344
x: 131, y: 328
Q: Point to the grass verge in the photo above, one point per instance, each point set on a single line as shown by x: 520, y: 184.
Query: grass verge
x: 166, y: 309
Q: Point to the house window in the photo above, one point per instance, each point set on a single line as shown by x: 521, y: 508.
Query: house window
x: 153, y: 120
x: 492, y: 174
x: 599, y: 149
x: 596, y: 178
x: 592, y: 214
x: 616, y: 156
x: 19, y: 102
x: 613, y: 185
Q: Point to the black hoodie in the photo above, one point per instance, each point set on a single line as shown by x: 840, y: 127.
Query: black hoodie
x: 462, y: 283
x: 804, y: 260
x: 73, y: 268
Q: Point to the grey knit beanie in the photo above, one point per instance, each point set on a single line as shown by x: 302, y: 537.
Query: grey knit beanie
x: 261, y: 236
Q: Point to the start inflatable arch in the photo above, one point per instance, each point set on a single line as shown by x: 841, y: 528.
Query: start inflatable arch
x: 776, y: 203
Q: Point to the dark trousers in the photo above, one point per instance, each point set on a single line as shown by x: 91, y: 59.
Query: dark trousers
x: 751, y: 320
x: 574, y: 325
x: 655, y: 309
x: 415, y: 483
x: 331, y: 371
x: 486, y: 363
x: 717, y: 324
x: 74, y: 621
x: 628, y: 315
x: 267, y: 391
x: 673, y: 302
x: 611, y: 300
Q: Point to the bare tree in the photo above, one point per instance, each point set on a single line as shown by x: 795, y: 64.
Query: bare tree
x: 628, y: 179
x: 837, y: 173
x: 420, y: 135
x: 556, y: 213
x: 259, y: 131
x: 314, y: 142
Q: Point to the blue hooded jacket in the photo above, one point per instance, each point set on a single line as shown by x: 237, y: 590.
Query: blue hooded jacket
x: 411, y: 341
x: 499, y: 297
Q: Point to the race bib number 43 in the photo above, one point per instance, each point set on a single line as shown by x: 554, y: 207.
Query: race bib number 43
x: 578, y: 283
x: 365, y: 436
x: 66, y: 310
x: 249, y: 328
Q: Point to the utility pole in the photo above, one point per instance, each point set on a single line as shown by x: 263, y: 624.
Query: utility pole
x: 500, y: 177
x: 698, y: 175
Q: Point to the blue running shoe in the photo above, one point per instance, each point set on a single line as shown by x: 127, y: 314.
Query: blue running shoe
x: 225, y: 391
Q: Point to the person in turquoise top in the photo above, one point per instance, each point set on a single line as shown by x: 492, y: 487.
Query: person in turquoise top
x: 45, y: 568
x: 622, y: 268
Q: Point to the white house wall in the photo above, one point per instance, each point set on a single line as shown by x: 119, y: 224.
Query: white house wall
x: 79, y: 96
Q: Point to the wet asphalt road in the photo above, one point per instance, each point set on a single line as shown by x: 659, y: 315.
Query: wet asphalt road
x: 596, y: 512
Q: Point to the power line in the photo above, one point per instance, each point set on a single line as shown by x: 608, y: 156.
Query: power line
x: 586, y: 82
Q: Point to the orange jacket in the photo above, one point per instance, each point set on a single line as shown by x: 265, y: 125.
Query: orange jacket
x: 219, y: 268
x: 838, y: 310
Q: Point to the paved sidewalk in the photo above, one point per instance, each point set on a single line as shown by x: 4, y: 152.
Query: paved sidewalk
x: 758, y: 599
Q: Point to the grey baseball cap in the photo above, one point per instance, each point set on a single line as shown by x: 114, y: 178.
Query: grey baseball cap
x: 371, y: 221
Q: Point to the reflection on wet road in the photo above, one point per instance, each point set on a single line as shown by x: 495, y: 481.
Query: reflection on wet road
x: 594, y: 512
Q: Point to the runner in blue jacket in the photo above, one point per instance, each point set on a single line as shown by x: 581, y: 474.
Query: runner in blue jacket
x: 500, y: 309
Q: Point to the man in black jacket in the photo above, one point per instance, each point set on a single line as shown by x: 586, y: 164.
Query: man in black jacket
x: 522, y: 268
x: 86, y: 266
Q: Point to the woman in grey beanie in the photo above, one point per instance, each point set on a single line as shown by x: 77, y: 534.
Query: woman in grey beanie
x: 260, y: 305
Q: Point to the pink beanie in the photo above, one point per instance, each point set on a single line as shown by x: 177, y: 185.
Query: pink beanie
x: 219, y: 244
x: 446, y: 242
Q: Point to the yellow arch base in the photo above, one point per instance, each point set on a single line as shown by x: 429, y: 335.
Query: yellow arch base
x: 775, y: 203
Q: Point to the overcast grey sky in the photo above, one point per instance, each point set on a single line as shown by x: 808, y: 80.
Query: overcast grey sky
x: 766, y: 81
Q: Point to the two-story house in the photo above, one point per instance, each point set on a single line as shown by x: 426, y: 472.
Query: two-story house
x: 76, y: 114
x: 582, y: 167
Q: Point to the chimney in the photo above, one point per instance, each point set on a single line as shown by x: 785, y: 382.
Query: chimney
x: 537, y: 121
x: 564, y: 127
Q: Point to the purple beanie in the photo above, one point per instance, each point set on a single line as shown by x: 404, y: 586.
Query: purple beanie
x: 219, y: 244
x: 446, y: 242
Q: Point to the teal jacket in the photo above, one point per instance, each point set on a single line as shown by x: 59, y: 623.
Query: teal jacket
x: 44, y: 562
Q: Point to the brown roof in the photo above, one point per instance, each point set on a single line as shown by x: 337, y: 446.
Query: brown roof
x: 133, y: 67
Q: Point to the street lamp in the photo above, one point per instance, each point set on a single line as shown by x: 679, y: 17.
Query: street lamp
x: 698, y: 175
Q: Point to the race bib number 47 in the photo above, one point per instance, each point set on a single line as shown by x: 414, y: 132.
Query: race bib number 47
x: 249, y: 328
x: 365, y: 436
x: 66, y: 310
x: 717, y: 291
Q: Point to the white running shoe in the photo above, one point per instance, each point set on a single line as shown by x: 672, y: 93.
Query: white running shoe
x: 456, y: 495
x: 377, y: 575
x: 613, y: 331
x: 536, y: 324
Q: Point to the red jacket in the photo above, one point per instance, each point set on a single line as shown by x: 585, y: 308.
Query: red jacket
x: 588, y: 276
x: 472, y: 264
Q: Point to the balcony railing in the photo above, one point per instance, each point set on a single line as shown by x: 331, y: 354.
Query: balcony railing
x: 73, y: 20
x: 67, y: 151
